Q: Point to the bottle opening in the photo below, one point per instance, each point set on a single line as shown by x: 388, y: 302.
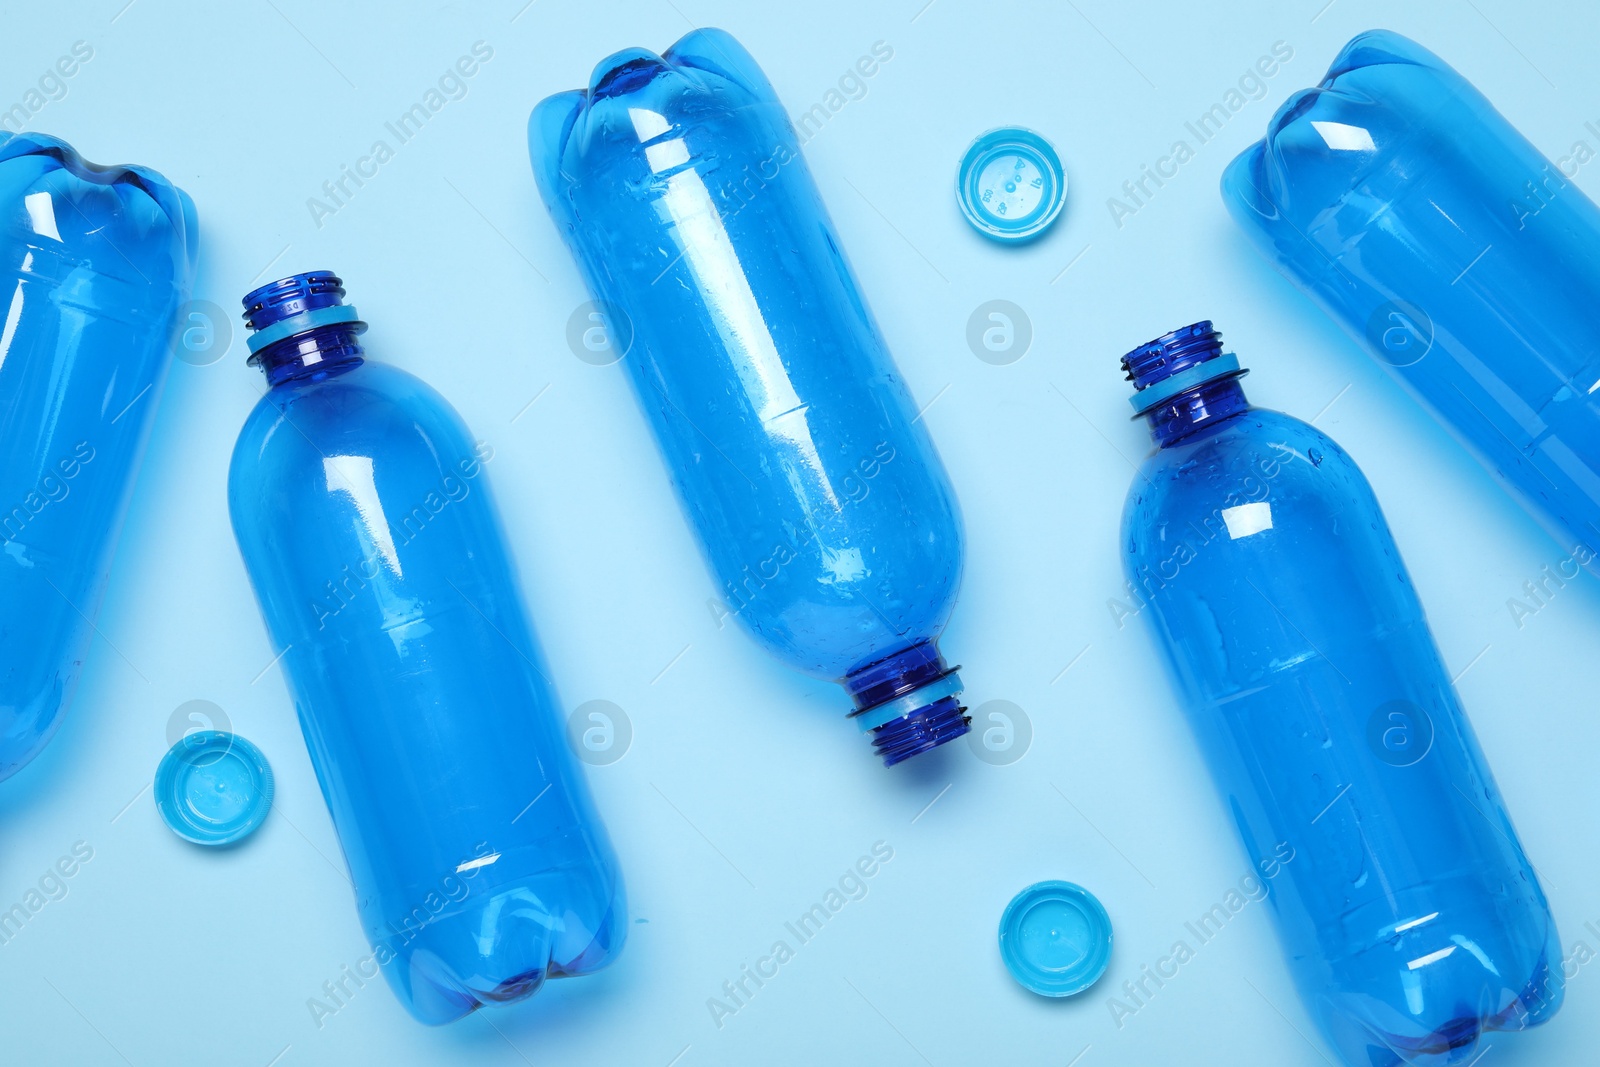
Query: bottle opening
x: 1175, y: 363
x: 294, y: 295
x: 1170, y: 353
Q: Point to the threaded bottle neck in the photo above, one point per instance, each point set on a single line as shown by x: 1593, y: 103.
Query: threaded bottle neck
x: 301, y: 327
x: 1172, y: 353
x: 294, y: 295
x: 908, y: 702
x: 1183, y: 381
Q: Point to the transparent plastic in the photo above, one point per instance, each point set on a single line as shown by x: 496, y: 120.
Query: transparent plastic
x: 98, y: 260
x: 796, y: 450
x: 1410, y: 917
x: 361, y: 507
x: 1464, y: 260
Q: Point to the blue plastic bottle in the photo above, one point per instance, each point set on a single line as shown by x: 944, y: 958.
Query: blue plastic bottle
x: 361, y: 507
x: 1411, y: 919
x: 819, y: 501
x: 1434, y: 232
x: 98, y: 260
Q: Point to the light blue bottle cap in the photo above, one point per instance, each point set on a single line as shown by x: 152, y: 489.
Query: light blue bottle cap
x: 1055, y: 938
x: 1011, y: 185
x: 213, y: 788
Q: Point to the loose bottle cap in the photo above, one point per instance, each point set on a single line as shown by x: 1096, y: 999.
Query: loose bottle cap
x: 1055, y: 938
x: 213, y: 788
x: 1011, y: 184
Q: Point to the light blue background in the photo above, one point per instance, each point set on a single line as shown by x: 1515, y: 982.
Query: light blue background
x: 745, y: 793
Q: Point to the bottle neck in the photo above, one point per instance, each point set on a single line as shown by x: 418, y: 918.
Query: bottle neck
x: 1193, y: 409
x: 320, y: 352
x: 896, y: 675
x: 908, y: 702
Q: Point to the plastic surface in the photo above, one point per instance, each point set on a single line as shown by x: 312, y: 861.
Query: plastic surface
x: 1055, y: 938
x: 213, y: 788
x: 1411, y: 919
x: 1011, y: 185
x: 1464, y: 260
x: 796, y: 450
x: 98, y: 262
x: 361, y: 508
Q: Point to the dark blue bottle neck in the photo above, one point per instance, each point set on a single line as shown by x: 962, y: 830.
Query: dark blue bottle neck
x: 1193, y: 410
x: 908, y: 702
x: 321, y: 352
x: 896, y: 675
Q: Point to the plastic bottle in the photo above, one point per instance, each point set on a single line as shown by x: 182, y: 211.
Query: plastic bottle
x: 361, y: 507
x: 1411, y: 919
x: 1435, y: 233
x: 99, y: 260
x: 796, y: 450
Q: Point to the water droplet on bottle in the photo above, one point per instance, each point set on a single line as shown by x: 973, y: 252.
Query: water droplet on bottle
x: 1315, y: 456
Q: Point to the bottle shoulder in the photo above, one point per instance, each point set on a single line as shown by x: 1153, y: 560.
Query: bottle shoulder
x: 367, y: 397
x: 1252, y: 455
x: 373, y: 410
x: 1239, y: 435
x: 1273, y: 499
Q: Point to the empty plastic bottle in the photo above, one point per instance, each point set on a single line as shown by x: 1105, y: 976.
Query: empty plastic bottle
x: 1410, y: 917
x: 796, y: 450
x: 1431, y: 230
x: 99, y: 261
x: 361, y: 507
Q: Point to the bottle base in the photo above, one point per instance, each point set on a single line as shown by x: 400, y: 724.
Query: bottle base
x: 444, y: 970
x: 1454, y: 1039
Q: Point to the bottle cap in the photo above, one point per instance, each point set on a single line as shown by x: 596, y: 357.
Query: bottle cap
x: 1055, y: 938
x: 1011, y: 184
x: 213, y: 788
